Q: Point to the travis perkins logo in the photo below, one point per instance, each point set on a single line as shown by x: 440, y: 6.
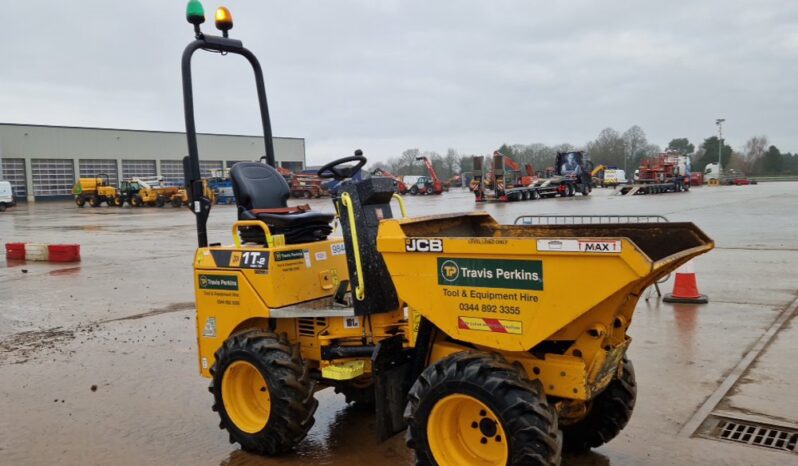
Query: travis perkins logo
x: 218, y: 282
x: 491, y: 273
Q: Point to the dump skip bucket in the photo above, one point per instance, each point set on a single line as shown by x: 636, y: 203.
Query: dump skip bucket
x: 534, y: 280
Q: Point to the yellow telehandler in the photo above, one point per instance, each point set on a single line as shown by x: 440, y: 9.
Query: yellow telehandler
x: 491, y: 344
x: 152, y: 192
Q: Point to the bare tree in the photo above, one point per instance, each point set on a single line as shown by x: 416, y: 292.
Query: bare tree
x: 451, y: 162
x: 634, y: 141
x: 754, y: 150
x: 407, y: 161
x: 608, y: 148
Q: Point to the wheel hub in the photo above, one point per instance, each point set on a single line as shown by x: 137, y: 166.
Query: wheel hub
x: 463, y: 430
x: 245, y: 395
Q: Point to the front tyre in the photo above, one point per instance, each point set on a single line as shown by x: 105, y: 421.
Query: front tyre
x: 608, y: 413
x: 475, y: 408
x: 263, y: 392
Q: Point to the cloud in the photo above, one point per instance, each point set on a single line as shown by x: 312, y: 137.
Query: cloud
x: 390, y: 75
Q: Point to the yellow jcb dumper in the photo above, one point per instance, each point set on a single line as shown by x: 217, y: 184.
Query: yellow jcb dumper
x: 95, y: 191
x: 491, y: 344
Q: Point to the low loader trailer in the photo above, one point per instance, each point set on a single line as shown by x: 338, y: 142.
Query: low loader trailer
x: 667, y: 172
x: 572, y: 174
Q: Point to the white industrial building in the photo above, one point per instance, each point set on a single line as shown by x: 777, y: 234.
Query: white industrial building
x: 44, y: 162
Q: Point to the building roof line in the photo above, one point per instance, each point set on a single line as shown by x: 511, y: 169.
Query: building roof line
x: 144, y: 130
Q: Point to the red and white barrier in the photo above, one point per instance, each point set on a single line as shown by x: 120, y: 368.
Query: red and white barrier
x: 43, y: 252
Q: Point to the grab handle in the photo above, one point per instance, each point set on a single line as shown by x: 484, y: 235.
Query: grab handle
x: 401, y: 204
x: 360, y: 290
x: 253, y: 223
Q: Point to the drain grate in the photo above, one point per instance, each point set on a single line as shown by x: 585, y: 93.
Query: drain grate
x: 759, y: 435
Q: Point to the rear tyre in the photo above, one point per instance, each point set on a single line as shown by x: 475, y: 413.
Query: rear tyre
x: 263, y: 392
x: 608, y: 413
x: 414, y: 190
x: 177, y: 202
x: 80, y: 201
x: 160, y: 201
x: 475, y: 408
x: 116, y: 201
x: 136, y: 201
x: 536, y: 194
x: 95, y: 201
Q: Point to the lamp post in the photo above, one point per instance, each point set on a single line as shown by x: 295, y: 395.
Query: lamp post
x: 719, y: 122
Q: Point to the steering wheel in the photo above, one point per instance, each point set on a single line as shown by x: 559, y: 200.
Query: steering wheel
x: 338, y: 172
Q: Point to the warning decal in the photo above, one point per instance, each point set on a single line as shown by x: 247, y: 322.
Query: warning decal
x: 512, y: 327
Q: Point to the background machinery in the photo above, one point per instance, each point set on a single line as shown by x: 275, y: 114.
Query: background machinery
x: 401, y: 187
x: 180, y: 198
x: 571, y: 175
x: 503, y: 181
x: 95, y: 191
x: 429, y: 184
x: 662, y: 173
x: 466, y: 332
x: 152, y: 192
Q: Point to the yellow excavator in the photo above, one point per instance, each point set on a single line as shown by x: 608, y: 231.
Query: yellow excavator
x: 594, y: 175
x: 470, y: 334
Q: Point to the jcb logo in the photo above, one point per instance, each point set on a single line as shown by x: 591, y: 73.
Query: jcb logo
x: 423, y: 245
x: 450, y: 271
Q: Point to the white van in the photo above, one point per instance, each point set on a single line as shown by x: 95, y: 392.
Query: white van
x: 6, y: 196
x: 614, y: 177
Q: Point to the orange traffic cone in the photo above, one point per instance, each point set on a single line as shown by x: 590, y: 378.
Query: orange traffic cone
x: 685, y: 288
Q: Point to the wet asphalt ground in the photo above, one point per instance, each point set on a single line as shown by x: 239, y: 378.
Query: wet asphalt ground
x: 98, y: 361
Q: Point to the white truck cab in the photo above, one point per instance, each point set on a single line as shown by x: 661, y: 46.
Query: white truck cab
x: 6, y: 196
x: 711, y: 172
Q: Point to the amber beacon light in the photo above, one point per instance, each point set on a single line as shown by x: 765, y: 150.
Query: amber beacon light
x: 224, y: 20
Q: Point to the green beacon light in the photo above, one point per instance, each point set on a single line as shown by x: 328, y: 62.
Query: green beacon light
x: 224, y: 20
x: 195, y: 14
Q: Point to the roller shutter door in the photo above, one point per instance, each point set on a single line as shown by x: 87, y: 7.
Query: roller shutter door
x: 172, y: 172
x: 90, y: 168
x: 139, y: 169
x: 52, y: 177
x: 14, y: 173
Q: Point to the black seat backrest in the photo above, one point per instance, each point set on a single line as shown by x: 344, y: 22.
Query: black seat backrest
x: 258, y: 186
x: 371, y: 203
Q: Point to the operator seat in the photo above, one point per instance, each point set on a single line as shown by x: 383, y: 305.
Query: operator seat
x: 261, y: 193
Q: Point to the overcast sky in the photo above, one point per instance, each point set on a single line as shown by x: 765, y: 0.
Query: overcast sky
x: 385, y: 76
